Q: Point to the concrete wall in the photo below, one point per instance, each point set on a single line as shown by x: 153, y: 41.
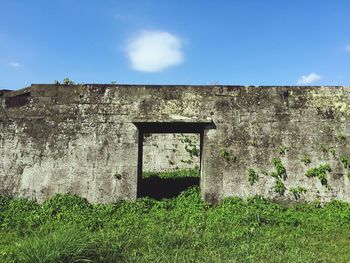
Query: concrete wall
x: 82, y: 139
x: 169, y: 152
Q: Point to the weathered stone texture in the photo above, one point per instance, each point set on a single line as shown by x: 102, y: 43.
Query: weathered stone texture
x: 82, y: 139
x: 169, y: 152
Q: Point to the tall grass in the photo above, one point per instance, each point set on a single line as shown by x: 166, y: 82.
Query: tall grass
x: 67, y: 228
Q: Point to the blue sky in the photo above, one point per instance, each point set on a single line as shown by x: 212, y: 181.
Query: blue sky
x: 251, y: 42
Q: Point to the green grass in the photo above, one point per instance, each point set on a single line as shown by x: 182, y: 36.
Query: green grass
x: 173, y: 174
x: 67, y: 228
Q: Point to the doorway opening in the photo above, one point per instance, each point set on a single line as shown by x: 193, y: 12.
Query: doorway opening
x: 169, y: 158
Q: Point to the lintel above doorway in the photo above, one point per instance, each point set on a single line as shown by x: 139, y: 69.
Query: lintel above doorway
x: 172, y: 126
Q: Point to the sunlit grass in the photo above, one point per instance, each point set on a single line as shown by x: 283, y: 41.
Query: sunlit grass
x: 66, y: 228
x: 173, y: 174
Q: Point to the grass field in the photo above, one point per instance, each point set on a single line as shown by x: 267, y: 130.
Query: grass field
x: 67, y: 228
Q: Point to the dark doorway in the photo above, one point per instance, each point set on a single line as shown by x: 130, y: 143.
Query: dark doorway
x: 159, y: 188
x: 155, y: 186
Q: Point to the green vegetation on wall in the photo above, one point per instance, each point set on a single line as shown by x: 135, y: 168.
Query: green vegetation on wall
x: 280, y: 169
x: 320, y: 172
x: 306, y: 159
x: 252, y: 176
x: 346, y: 161
x: 279, y: 174
x: 228, y: 156
x: 66, y: 81
x: 340, y: 137
x: 283, y: 150
x: 328, y: 149
x: 190, y: 147
x: 297, y: 192
x: 279, y: 186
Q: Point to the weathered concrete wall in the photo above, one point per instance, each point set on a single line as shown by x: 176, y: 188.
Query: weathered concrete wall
x: 82, y: 139
x: 169, y: 152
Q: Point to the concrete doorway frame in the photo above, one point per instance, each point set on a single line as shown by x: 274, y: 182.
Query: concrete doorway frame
x: 170, y: 127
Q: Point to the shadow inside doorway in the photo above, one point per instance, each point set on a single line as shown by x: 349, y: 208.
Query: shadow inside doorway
x: 159, y: 188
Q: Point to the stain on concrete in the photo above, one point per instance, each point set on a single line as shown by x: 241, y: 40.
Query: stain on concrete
x: 83, y: 139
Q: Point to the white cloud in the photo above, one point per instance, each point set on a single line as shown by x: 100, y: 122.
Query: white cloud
x: 15, y: 64
x: 154, y: 51
x: 347, y: 48
x: 312, y: 77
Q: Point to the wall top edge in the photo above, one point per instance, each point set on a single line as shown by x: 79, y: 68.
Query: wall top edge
x: 11, y: 93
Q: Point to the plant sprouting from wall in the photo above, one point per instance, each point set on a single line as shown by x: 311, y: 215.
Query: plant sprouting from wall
x: 66, y: 81
x: 280, y: 169
x: 306, y: 159
x: 320, y: 172
x: 229, y: 157
x: 174, y: 147
x: 189, y: 161
x: 340, y: 137
x: 332, y: 150
x: 190, y: 146
x: 279, y: 186
x: 345, y: 161
x: 117, y: 176
x: 297, y: 192
x: 279, y: 174
x: 283, y: 150
x: 252, y: 176
x: 328, y: 150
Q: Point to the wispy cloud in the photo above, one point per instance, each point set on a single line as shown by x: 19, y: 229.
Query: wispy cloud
x: 308, y: 79
x: 154, y: 51
x: 347, y: 48
x: 15, y: 64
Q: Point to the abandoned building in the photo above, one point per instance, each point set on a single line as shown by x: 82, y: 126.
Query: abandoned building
x: 285, y: 143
